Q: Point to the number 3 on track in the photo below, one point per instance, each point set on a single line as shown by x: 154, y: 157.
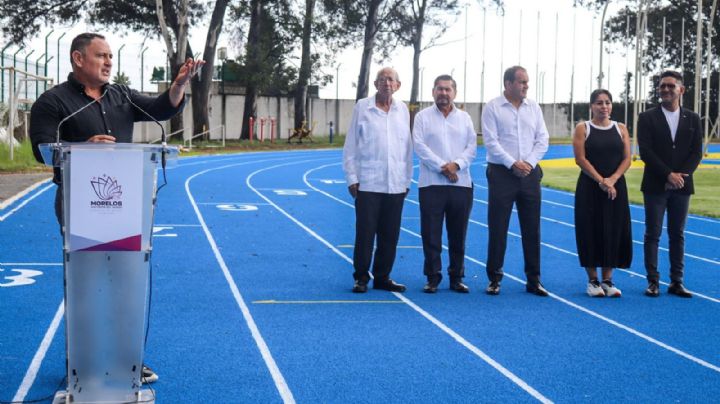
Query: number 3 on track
x: 24, y: 277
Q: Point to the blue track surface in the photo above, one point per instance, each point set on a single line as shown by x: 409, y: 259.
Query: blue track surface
x: 251, y: 302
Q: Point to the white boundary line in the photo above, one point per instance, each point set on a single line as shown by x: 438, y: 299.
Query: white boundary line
x: 22, y: 193
x: 560, y: 222
x: 457, y: 337
x: 26, y: 201
x: 277, y: 376
x: 32, y: 371
x: 563, y: 300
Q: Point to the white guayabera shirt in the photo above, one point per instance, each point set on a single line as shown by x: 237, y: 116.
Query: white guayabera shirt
x: 378, y: 148
x: 440, y: 140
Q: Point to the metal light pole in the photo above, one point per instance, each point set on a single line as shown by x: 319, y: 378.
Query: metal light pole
x: 572, y: 79
x: 482, y: 72
x: 698, y: 56
x: 502, y: 51
x: 26, y: 69
x: 602, y: 39
x: 2, y: 73
x: 337, y: 98
x: 58, y: 56
x: 46, y: 56
x: 626, y: 82
x: 520, y: 25
x: 119, y: 69
x: 709, y: 73
x: 555, y: 72
x: 465, y: 60
x: 537, y: 59
x: 37, y: 72
x: 12, y: 77
x: 142, y: 68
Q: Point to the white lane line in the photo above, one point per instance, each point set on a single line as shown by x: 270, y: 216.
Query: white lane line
x: 34, y: 264
x: 632, y: 206
x: 36, y: 362
x: 562, y: 250
x: 25, y: 202
x: 560, y: 222
x: 22, y: 193
x: 563, y: 300
x: 457, y: 337
x: 32, y: 371
x: 275, y: 372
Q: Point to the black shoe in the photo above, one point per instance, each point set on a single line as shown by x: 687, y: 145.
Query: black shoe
x: 653, y: 289
x: 359, y: 287
x: 678, y: 289
x: 430, y: 287
x: 536, y: 289
x: 148, y: 376
x: 389, y: 285
x: 493, y: 288
x: 459, y: 287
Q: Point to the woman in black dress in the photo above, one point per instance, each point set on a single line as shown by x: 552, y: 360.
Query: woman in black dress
x: 602, y: 214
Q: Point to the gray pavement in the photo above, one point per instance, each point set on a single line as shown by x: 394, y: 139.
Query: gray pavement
x: 12, y: 184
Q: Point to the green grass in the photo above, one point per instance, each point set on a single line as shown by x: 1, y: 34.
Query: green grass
x: 235, y: 146
x: 705, y: 201
x: 23, y: 160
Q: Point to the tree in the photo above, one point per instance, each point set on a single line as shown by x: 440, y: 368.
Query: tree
x: 264, y: 69
x: 312, y: 26
x: 21, y: 19
x: 305, y: 66
x: 370, y: 23
x: 121, y: 78
x: 656, y: 57
x: 414, y: 18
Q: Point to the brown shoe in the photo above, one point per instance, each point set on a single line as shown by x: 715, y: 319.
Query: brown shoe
x: 536, y: 289
x: 359, y: 287
x: 389, y: 285
x: 653, y: 289
x: 459, y: 287
x: 678, y: 289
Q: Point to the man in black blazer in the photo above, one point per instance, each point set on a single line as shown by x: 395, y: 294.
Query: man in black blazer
x: 670, y: 139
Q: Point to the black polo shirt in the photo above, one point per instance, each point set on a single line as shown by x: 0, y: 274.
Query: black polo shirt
x: 113, y: 115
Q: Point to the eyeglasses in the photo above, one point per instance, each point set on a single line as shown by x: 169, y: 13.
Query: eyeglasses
x: 668, y: 86
x: 385, y: 80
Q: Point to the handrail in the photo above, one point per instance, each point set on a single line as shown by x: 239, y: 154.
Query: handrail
x: 189, y: 141
x: 222, y: 135
x: 169, y: 136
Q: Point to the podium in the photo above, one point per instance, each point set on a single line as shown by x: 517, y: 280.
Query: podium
x: 109, y: 192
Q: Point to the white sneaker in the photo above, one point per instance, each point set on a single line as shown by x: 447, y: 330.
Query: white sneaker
x: 594, y: 289
x: 609, y: 288
x: 148, y: 375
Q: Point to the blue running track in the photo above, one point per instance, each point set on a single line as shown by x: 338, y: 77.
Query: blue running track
x: 251, y: 302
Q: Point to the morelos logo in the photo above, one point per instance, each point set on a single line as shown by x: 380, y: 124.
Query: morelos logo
x: 107, y: 190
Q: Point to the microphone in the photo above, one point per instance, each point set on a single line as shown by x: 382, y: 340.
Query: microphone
x: 163, y: 137
x: 57, y: 131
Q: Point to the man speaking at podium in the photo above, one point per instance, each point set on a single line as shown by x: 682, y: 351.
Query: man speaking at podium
x: 87, y: 108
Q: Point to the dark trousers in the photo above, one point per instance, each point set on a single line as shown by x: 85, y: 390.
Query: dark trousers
x: 59, y: 206
x: 377, y: 218
x: 677, y: 206
x: 451, y: 204
x: 505, y: 189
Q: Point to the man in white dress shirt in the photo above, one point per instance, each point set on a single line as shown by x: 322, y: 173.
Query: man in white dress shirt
x: 377, y: 160
x: 446, y: 144
x: 516, y: 139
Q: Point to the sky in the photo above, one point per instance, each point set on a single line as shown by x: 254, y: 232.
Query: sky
x: 493, y: 43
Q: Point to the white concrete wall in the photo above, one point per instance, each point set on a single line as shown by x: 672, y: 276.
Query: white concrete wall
x: 321, y: 112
